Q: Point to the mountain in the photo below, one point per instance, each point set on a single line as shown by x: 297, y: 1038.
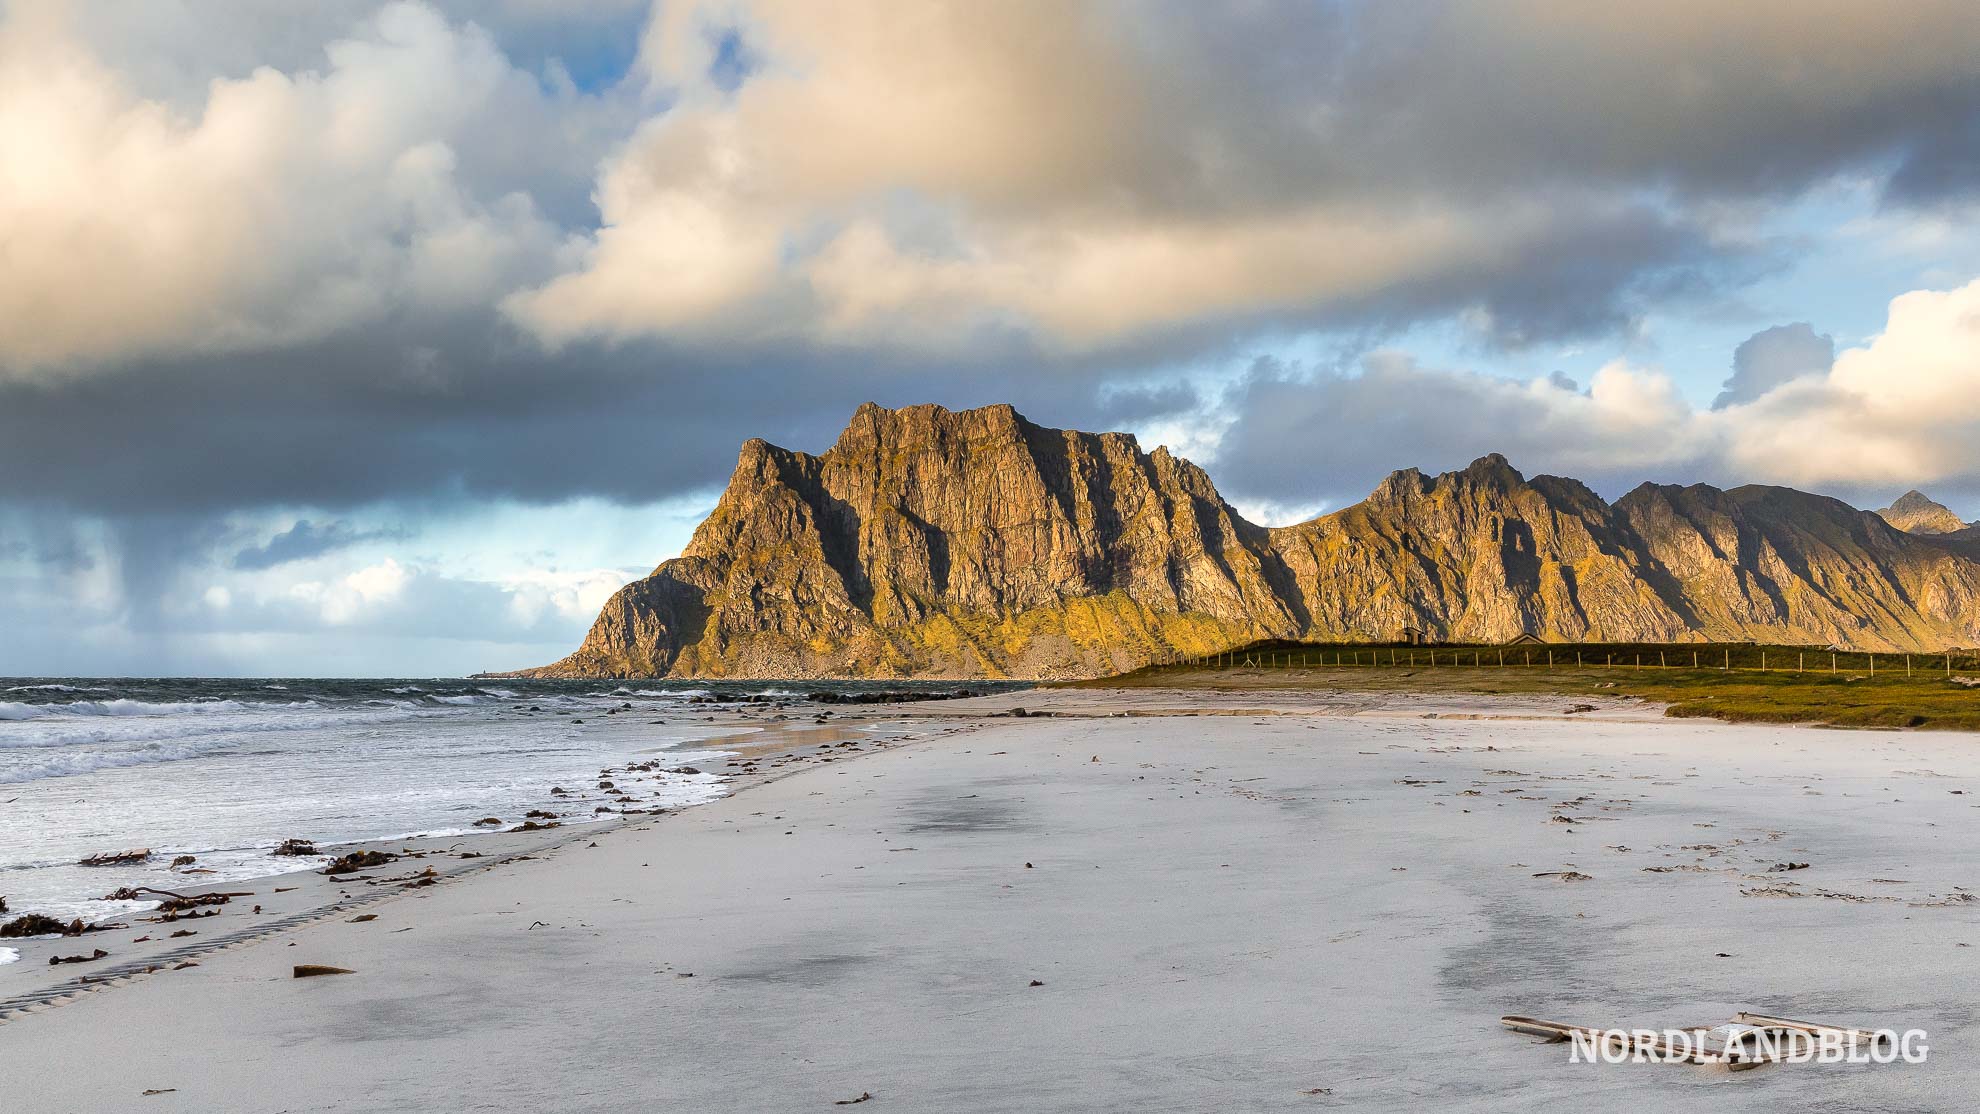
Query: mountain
x: 936, y: 543
x: 1914, y: 513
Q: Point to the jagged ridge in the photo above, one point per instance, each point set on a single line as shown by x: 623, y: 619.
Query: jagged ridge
x: 937, y: 543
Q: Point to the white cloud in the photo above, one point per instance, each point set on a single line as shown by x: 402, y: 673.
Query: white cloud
x: 355, y: 595
x: 290, y: 205
x: 913, y: 181
x: 1900, y: 410
x: 572, y: 597
x: 1903, y: 408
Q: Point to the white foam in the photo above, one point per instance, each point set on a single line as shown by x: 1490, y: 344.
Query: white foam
x: 122, y: 707
x: 54, y: 731
x: 69, y: 763
x: 9, y: 955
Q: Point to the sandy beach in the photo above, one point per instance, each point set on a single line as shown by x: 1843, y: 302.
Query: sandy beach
x: 1299, y: 902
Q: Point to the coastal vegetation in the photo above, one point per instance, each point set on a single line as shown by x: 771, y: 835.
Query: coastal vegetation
x: 1738, y: 683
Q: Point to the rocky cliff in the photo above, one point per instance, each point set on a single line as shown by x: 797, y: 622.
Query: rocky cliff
x: 1915, y: 513
x: 935, y: 543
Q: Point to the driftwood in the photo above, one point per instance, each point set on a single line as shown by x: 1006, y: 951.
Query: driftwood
x: 311, y: 970
x: 1855, y: 1036
x: 115, y: 858
x: 1702, y: 1049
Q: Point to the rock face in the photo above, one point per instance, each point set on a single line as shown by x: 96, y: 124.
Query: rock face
x: 1915, y: 513
x: 933, y: 543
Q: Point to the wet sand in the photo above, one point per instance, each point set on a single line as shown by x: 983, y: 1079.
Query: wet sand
x: 1300, y: 903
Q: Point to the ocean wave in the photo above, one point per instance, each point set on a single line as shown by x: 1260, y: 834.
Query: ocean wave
x: 504, y: 694
x: 9, y: 955
x: 406, y: 689
x: 123, y: 707
x: 53, y: 732
x: 51, y: 688
x: 69, y: 763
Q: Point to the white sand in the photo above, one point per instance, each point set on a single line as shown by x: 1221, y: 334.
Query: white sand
x: 1226, y: 912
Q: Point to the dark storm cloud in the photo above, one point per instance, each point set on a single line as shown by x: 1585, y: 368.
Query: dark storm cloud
x: 1775, y: 356
x: 464, y: 409
x: 308, y: 539
x: 1754, y: 99
x: 1132, y: 405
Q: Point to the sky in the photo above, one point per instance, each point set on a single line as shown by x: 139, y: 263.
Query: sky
x: 375, y: 339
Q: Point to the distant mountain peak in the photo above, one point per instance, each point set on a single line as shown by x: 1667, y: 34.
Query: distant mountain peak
x: 1914, y: 512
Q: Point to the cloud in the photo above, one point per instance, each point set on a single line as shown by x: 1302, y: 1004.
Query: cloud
x: 304, y: 540
x: 1775, y: 356
x: 286, y: 266
x: 1088, y: 175
x: 369, y: 261
x: 289, y: 206
x: 1304, y: 436
x: 1901, y: 410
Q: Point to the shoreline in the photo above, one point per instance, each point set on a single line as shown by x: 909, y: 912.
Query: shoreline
x: 310, y: 896
x: 1109, y: 910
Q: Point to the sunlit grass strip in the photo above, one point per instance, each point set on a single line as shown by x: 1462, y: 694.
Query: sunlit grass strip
x: 1737, y: 683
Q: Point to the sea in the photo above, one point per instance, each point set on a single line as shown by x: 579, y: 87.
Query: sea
x: 224, y: 770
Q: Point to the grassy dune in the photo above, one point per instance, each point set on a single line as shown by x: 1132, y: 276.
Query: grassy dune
x: 1740, y: 684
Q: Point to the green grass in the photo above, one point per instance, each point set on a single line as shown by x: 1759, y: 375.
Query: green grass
x: 1796, y: 685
